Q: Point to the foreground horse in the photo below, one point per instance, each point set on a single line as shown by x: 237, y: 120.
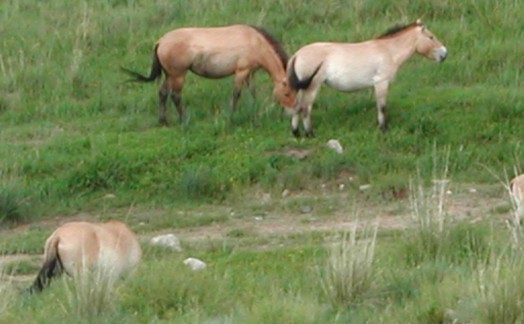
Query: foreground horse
x: 108, y: 247
x: 354, y: 66
x: 216, y: 53
x: 517, y: 193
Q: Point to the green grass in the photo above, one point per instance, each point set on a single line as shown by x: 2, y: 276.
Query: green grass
x: 73, y: 134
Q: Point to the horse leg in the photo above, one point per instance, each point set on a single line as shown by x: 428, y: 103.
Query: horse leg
x: 307, y: 105
x: 240, y: 78
x: 306, y: 121
x: 162, y: 106
x: 251, y: 85
x: 294, y: 124
x: 176, y: 84
x: 381, y: 91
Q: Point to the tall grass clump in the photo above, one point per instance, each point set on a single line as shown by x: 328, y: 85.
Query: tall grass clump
x: 7, y: 294
x: 13, y: 206
x: 436, y: 235
x: 90, y: 295
x: 350, y: 273
x: 500, y: 291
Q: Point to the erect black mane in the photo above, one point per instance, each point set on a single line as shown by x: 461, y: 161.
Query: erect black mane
x: 275, y: 44
x: 397, y: 29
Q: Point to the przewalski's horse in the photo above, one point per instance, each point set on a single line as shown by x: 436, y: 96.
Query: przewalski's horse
x: 214, y: 53
x: 354, y: 66
x: 517, y: 194
x: 111, y: 248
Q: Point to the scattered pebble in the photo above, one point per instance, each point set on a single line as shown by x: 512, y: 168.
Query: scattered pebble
x: 335, y: 145
x: 195, y: 264
x: 285, y: 193
x: 364, y: 187
x: 168, y: 241
x: 306, y: 209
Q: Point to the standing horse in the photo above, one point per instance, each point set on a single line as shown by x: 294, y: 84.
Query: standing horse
x: 517, y: 194
x: 215, y: 53
x: 354, y: 66
x: 76, y: 246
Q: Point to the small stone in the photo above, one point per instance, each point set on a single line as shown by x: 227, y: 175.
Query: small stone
x: 341, y: 186
x: 168, y: 241
x: 285, y: 193
x: 335, y: 145
x: 306, y: 209
x: 364, y: 187
x: 195, y: 264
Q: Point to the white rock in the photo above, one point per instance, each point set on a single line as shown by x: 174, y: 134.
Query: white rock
x: 335, y: 145
x: 341, y: 186
x: 364, y: 187
x: 195, y: 264
x: 285, y: 193
x: 472, y: 190
x: 168, y: 241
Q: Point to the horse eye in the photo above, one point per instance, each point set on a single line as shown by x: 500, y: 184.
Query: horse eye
x: 431, y: 37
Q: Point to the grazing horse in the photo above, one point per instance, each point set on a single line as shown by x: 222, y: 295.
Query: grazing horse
x: 354, y: 66
x: 76, y: 246
x: 214, y: 53
x: 517, y: 193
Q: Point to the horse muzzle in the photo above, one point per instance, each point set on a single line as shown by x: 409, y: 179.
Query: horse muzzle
x: 441, y: 54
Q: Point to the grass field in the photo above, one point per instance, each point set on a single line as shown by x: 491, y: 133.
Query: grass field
x: 78, y: 142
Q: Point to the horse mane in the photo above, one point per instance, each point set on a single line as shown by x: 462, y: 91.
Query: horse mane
x: 274, y: 43
x: 397, y: 29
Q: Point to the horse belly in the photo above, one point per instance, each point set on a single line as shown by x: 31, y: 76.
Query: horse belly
x: 348, y: 82
x: 214, y: 65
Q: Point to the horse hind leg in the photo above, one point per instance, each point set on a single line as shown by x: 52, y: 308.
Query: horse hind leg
x: 381, y: 90
x: 162, y: 104
x: 306, y: 121
x: 176, y: 84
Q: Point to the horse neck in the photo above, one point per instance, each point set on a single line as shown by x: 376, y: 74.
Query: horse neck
x: 401, y: 47
x: 272, y: 64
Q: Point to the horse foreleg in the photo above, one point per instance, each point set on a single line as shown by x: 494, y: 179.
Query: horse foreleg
x: 240, y: 79
x: 162, y: 104
x: 381, y: 91
x: 251, y: 85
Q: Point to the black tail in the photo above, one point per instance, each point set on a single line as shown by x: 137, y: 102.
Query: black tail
x: 52, y: 266
x: 156, y: 70
x: 294, y: 82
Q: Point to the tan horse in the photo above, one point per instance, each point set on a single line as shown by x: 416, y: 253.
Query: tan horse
x: 517, y: 193
x: 215, y: 53
x: 110, y: 247
x: 354, y: 66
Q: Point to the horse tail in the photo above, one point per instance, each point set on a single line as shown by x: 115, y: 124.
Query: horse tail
x: 293, y: 80
x: 52, y: 266
x: 156, y: 70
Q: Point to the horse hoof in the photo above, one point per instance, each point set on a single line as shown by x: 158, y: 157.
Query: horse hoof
x: 163, y: 122
x: 310, y: 134
x: 296, y: 133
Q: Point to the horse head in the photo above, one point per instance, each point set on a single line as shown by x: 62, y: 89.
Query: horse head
x: 285, y: 95
x: 428, y: 45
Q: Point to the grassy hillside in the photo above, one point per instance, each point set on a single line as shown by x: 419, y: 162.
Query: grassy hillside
x: 72, y: 129
x: 74, y: 134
